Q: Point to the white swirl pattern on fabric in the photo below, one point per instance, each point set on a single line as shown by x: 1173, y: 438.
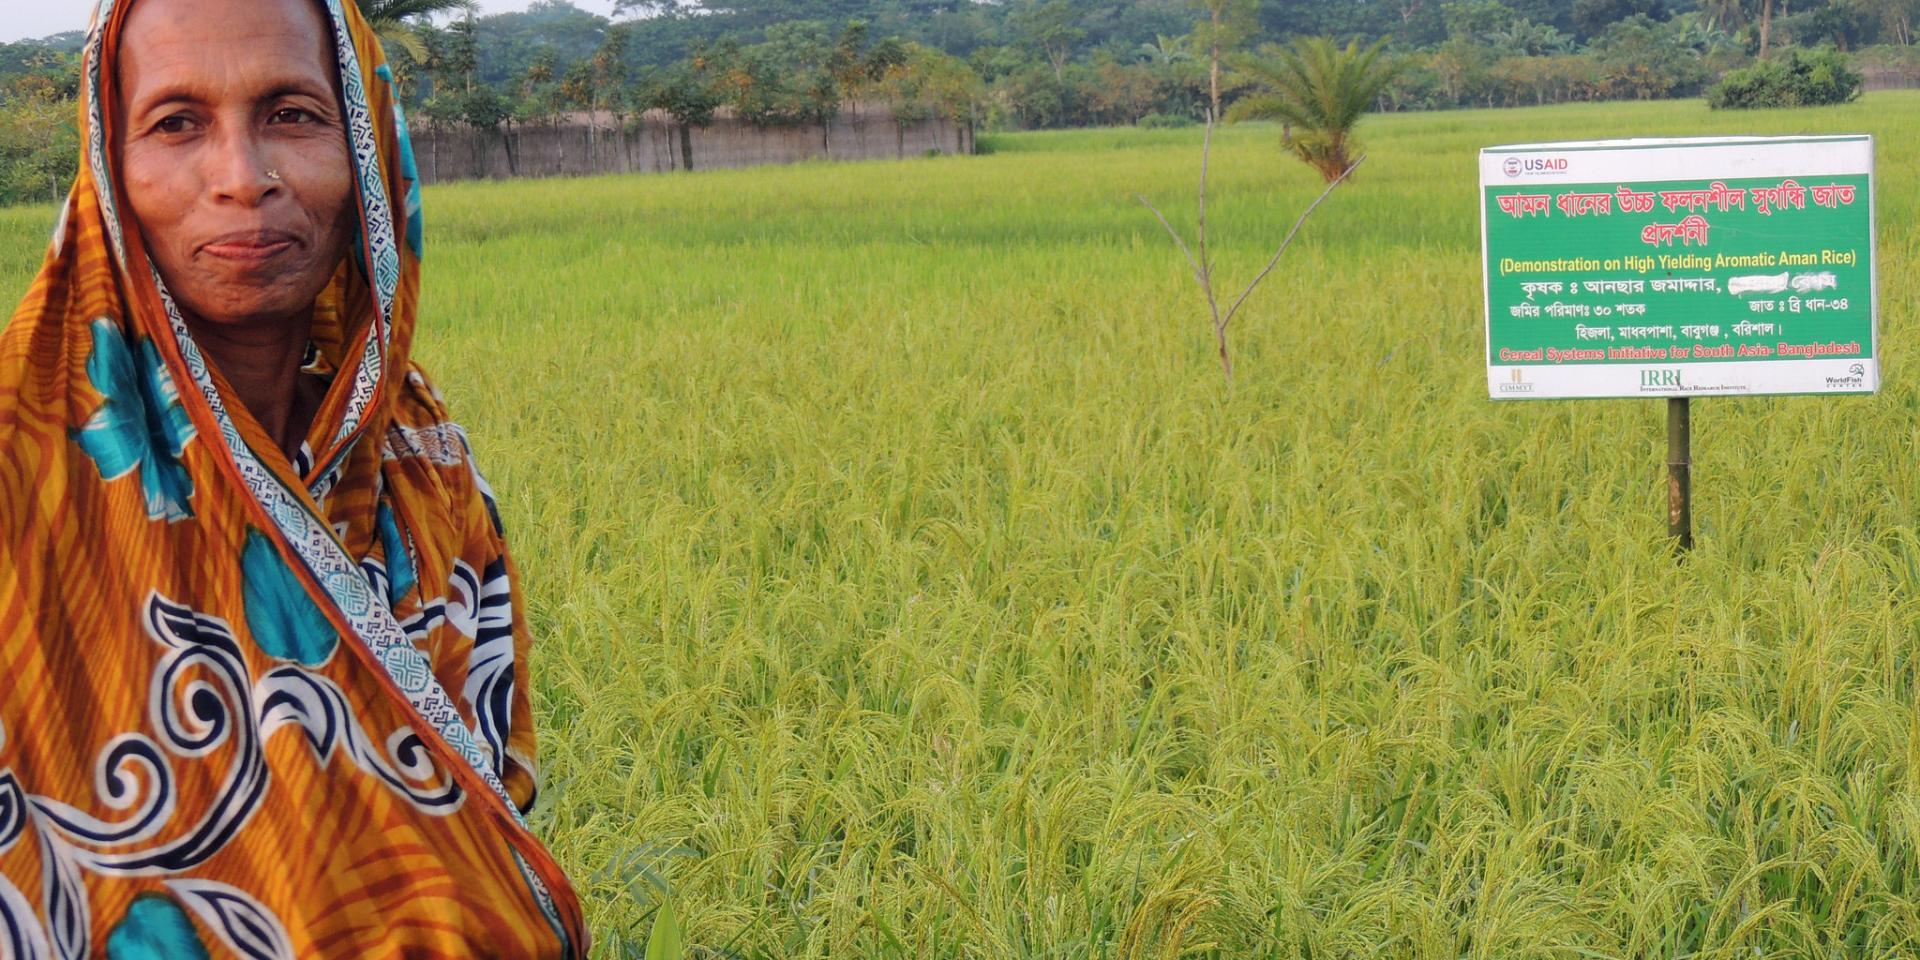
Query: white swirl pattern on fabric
x: 194, y: 716
x: 246, y: 927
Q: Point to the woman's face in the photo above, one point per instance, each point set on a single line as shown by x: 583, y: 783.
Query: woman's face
x: 233, y: 154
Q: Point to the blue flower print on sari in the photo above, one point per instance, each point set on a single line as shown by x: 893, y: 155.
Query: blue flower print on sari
x: 283, y: 618
x: 155, y: 928
x: 400, y: 573
x: 141, y: 425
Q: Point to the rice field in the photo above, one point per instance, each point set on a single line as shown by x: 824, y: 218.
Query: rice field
x: 908, y: 584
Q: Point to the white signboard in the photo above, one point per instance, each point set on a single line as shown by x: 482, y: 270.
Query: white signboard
x: 1680, y: 268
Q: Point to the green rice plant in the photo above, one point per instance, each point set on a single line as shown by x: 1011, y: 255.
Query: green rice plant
x: 893, y: 550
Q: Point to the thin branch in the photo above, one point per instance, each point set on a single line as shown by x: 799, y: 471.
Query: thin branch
x: 1202, y: 264
x: 1284, y: 244
x: 1201, y: 261
x: 1206, y: 259
x: 1206, y: 159
x: 1206, y: 286
x: 1178, y: 240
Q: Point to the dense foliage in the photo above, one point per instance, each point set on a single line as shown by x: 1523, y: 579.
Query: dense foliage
x: 1012, y: 63
x: 1795, y: 80
x: 39, y: 136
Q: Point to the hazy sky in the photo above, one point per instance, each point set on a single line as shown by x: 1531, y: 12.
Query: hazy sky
x: 37, y: 18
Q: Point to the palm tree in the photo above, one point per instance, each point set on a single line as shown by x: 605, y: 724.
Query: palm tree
x: 1530, y: 39
x: 1724, y: 15
x: 389, y: 19
x: 1166, y: 51
x: 1697, y: 32
x: 1319, y: 90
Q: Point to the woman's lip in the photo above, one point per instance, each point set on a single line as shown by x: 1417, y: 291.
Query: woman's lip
x: 249, y: 247
x: 246, y: 251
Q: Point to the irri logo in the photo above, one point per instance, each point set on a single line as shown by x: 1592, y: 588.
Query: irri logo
x: 1539, y: 166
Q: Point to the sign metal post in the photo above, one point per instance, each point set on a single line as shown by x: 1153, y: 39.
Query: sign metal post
x: 1680, y: 473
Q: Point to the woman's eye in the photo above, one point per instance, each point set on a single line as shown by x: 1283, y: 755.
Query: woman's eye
x: 174, y: 124
x: 291, y: 115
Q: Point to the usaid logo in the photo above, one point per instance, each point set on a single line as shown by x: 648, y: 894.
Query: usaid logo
x: 1538, y: 166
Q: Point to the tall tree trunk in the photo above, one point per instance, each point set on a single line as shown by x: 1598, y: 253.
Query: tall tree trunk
x: 1766, y: 24
x: 686, y: 147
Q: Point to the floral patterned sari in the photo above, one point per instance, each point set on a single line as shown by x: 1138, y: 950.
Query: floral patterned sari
x: 252, y: 706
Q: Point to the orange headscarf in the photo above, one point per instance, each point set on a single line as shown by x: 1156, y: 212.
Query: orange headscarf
x: 251, y: 706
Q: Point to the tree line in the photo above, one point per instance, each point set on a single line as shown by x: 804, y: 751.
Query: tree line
x: 1005, y: 64
x: 484, y: 73
x: 1062, y: 63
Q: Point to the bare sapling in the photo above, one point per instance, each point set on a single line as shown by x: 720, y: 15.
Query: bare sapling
x: 1200, y: 258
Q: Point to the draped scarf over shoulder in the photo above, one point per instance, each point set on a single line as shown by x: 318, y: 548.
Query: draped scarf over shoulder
x: 251, y: 706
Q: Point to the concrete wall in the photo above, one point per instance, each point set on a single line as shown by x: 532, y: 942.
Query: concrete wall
x: 1890, y: 78
x: 582, y: 145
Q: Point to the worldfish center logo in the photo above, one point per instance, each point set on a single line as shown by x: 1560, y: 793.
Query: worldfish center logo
x: 1539, y: 166
x: 1855, y: 379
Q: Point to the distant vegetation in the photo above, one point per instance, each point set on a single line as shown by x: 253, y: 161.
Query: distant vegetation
x: 1795, y: 80
x: 38, y: 142
x: 1018, y: 64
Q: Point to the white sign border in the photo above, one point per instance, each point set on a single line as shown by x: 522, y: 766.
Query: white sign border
x: 1808, y: 377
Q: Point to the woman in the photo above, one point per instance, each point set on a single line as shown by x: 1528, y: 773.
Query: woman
x: 263, y: 684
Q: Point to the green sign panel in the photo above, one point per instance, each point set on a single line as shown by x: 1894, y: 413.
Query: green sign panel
x: 1680, y: 268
